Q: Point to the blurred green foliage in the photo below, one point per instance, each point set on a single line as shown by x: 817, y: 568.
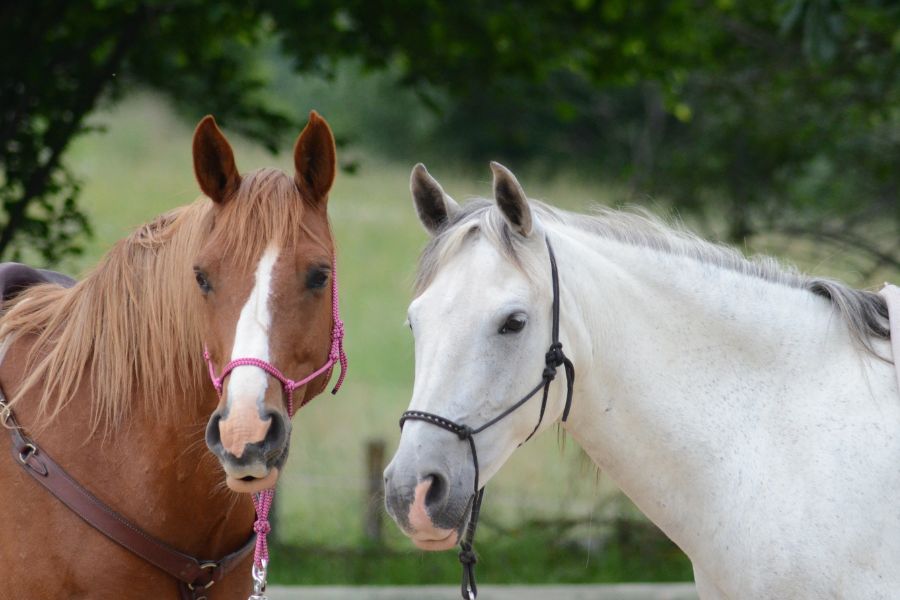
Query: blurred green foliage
x: 774, y: 115
x: 63, y: 60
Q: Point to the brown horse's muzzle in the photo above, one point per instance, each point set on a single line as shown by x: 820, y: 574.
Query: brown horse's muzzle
x: 251, y: 448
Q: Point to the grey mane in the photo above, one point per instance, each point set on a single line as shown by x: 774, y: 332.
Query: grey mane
x: 864, y: 312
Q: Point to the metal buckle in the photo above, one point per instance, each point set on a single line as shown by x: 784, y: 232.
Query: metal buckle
x: 27, y: 452
x: 207, y: 565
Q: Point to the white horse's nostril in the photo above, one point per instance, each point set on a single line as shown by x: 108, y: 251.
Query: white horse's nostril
x: 437, y: 490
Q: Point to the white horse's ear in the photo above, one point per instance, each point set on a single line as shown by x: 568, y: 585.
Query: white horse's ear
x: 435, y: 207
x: 511, y: 200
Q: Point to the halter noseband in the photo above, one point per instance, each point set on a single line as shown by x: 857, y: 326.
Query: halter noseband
x: 262, y: 501
x: 552, y: 360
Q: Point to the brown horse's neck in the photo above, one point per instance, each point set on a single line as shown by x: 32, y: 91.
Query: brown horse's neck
x: 157, y: 473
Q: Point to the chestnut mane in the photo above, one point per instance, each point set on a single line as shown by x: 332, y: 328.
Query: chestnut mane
x: 130, y: 324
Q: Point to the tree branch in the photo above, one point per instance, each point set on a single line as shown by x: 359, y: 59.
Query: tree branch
x: 37, y: 182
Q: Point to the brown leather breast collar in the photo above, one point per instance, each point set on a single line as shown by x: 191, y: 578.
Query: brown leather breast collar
x: 194, y: 575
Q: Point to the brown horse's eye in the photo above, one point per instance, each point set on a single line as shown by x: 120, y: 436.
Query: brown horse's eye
x: 317, y: 278
x: 202, y: 281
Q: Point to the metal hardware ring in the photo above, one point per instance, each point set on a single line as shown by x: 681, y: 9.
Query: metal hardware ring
x: 204, y: 566
x: 29, y: 451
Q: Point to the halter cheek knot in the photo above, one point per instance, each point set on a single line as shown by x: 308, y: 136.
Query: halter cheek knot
x: 337, y: 349
x: 337, y: 355
x: 216, y: 380
x: 464, y: 432
x: 555, y: 356
x: 553, y: 359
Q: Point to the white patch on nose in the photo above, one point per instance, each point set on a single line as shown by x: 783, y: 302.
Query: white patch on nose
x: 246, y: 384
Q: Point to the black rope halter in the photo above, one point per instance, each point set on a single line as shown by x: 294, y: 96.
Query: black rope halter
x: 554, y: 359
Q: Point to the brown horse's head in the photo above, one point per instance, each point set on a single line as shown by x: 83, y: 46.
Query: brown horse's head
x: 265, y: 274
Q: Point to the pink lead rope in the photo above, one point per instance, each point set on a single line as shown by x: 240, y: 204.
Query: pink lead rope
x: 262, y: 501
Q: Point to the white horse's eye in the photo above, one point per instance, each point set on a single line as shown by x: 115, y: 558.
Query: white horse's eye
x: 514, y: 323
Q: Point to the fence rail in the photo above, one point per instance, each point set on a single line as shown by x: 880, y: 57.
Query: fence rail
x: 630, y: 591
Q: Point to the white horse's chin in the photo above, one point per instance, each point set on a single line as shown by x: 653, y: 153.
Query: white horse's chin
x: 435, y: 545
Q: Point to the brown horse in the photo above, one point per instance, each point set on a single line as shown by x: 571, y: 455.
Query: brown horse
x: 108, y: 377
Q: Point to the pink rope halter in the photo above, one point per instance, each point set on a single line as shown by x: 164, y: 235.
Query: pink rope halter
x: 262, y: 501
x: 335, y: 355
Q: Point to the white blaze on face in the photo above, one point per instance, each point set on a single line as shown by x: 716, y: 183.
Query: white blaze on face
x: 247, y: 385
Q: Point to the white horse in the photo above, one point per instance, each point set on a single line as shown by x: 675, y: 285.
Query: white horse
x: 750, y: 412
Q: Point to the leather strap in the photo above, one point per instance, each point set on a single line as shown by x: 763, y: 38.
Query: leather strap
x: 193, y: 574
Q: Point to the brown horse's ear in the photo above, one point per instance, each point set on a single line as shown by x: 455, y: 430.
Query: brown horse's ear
x: 511, y: 199
x: 434, y: 206
x: 314, y: 159
x: 214, y: 162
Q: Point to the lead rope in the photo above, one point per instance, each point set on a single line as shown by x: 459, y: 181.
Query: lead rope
x: 262, y: 501
x: 467, y: 557
x: 553, y: 359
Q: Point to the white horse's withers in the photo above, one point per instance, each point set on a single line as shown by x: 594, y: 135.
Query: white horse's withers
x: 750, y: 412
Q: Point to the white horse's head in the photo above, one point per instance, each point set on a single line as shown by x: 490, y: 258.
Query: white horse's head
x: 482, y: 325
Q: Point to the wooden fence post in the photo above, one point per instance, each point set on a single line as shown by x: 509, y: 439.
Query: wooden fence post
x: 374, y: 502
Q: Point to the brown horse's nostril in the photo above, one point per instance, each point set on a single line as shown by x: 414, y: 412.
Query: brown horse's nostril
x: 213, y: 439
x: 276, y: 436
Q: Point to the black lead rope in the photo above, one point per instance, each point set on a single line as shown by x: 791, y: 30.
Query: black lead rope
x: 554, y: 359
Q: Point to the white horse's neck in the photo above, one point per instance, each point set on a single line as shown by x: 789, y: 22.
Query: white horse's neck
x: 735, y: 412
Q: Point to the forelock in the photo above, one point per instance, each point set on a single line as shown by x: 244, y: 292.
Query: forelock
x: 476, y: 218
